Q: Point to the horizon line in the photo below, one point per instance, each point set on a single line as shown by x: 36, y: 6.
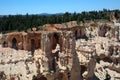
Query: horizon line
x: 49, y: 13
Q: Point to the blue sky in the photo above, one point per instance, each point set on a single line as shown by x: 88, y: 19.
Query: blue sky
x: 54, y: 6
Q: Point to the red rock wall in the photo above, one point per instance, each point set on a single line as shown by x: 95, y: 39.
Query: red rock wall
x: 24, y: 41
x: 19, y: 39
x: 33, y: 36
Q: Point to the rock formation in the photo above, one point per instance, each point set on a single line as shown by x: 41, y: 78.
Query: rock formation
x: 68, y: 51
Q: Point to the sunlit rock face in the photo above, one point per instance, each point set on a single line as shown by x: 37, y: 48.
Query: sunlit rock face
x: 68, y: 51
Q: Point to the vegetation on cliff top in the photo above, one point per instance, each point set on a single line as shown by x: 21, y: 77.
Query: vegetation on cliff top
x: 10, y: 23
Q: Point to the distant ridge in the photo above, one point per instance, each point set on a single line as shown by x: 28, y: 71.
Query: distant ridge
x: 41, y: 14
x: 48, y: 14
